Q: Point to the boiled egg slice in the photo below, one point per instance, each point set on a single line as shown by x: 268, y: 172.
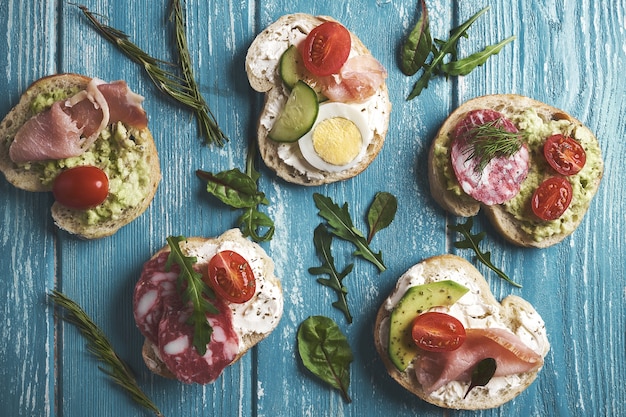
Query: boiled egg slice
x: 338, y: 139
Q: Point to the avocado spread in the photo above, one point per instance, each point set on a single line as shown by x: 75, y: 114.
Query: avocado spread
x: 583, y: 183
x: 119, y: 151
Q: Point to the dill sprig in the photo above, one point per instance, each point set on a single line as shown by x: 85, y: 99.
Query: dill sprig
x: 101, y: 348
x: 183, y: 89
x: 490, y: 140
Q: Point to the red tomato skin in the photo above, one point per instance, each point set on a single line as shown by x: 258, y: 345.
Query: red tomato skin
x: 81, y: 187
x: 564, y: 154
x: 551, y: 198
x: 326, y: 49
x: 437, y: 332
x: 231, y: 277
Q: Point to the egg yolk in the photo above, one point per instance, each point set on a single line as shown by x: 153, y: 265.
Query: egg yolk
x: 337, y: 140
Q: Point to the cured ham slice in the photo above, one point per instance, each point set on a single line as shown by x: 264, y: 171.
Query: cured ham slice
x: 359, y: 79
x: 436, y: 369
x: 71, y: 126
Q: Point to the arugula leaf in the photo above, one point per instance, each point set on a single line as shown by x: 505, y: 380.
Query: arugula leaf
x: 325, y: 351
x: 193, y: 290
x: 418, y: 45
x: 381, y: 213
x: 322, y: 240
x: 482, y: 374
x: 471, y: 241
x: 341, y: 223
x: 466, y: 65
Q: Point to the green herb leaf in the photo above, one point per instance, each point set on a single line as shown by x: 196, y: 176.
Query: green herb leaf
x: 471, y: 241
x: 381, y: 213
x: 418, y: 45
x: 100, y: 346
x: 341, y: 226
x: 482, y: 374
x: 325, y: 351
x: 252, y: 220
x: 467, y: 65
x: 193, y: 290
x: 322, y: 240
x: 233, y: 188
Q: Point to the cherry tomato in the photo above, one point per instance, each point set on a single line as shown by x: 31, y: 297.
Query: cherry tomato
x: 81, y: 187
x: 231, y: 277
x: 437, y: 332
x: 564, y: 154
x: 326, y: 48
x: 552, y: 198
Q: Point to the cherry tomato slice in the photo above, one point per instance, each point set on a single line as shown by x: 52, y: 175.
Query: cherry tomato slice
x: 231, y: 277
x: 326, y: 49
x: 552, y: 198
x: 564, y: 154
x: 437, y: 332
x: 81, y: 187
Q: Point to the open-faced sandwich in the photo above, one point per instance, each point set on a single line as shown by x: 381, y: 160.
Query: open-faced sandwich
x: 195, y: 326
x: 88, y: 142
x: 326, y: 110
x: 443, y: 336
x: 531, y: 167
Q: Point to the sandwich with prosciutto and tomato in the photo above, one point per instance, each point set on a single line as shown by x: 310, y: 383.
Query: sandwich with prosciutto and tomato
x: 532, y: 168
x: 326, y: 110
x: 88, y: 142
x: 443, y: 336
x: 202, y: 303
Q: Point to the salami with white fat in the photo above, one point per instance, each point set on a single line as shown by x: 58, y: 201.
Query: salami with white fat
x: 501, y: 178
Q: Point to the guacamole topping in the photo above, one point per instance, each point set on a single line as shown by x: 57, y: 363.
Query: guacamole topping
x: 583, y: 183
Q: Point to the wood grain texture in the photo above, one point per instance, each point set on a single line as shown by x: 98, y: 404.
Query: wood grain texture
x: 569, y: 54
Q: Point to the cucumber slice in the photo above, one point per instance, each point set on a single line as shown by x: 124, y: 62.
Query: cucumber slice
x: 298, y: 115
x: 289, y: 66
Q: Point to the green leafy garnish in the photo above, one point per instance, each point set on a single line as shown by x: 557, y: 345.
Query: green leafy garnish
x: 182, y: 88
x: 100, y: 346
x: 482, y: 374
x: 322, y: 240
x: 381, y: 213
x: 194, y: 291
x: 325, y: 351
x: 341, y: 226
x: 471, y: 241
x: 419, y: 46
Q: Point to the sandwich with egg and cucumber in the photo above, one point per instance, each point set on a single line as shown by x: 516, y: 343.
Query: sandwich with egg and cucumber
x: 443, y: 336
x: 202, y: 303
x: 326, y: 109
x: 532, y: 168
x: 88, y: 142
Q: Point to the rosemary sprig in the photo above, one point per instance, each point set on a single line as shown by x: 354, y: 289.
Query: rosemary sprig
x: 101, y: 348
x: 182, y: 89
x: 490, y: 140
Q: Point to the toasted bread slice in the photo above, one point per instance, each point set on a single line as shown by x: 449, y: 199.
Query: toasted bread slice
x: 261, y: 67
x: 28, y: 177
x: 514, y: 313
x: 519, y: 226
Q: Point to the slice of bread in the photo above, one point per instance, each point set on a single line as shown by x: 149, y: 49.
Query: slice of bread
x: 263, y: 268
x: 520, y: 228
x: 261, y: 67
x: 514, y: 313
x: 26, y: 177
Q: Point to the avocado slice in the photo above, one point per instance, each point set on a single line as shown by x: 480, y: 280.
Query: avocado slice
x: 415, y: 301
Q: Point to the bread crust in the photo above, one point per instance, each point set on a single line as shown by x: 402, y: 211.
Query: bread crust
x: 465, y: 206
x: 27, y: 179
x: 510, y: 310
x: 263, y: 77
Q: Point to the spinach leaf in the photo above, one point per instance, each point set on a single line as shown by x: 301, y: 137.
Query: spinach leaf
x: 418, y: 45
x: 381, y: 213
x: 325, y: 351
x: 482, y: 374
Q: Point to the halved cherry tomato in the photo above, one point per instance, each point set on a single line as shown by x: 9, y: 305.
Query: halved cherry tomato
x: 437, y: 332
x: 326, y: 48
x: 231, y: 277
x: 564, y: 154
x: 552, y: 198
x: 81, y: 187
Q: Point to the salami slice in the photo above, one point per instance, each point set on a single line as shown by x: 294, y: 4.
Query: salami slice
x: 501, y: 178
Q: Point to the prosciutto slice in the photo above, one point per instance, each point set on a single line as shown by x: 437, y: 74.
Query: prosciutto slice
x: 435, y: 369
x: 359, y: 79
x: 70, y: 127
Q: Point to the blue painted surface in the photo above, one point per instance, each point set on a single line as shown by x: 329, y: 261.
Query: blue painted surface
x: 570, y: 54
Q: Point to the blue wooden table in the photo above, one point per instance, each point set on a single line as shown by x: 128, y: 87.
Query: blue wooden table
x: 568, y: 54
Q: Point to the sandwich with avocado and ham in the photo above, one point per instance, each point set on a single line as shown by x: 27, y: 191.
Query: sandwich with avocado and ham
x: 88, y: 142
x: 532, y: 168
x: 443, y: 336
